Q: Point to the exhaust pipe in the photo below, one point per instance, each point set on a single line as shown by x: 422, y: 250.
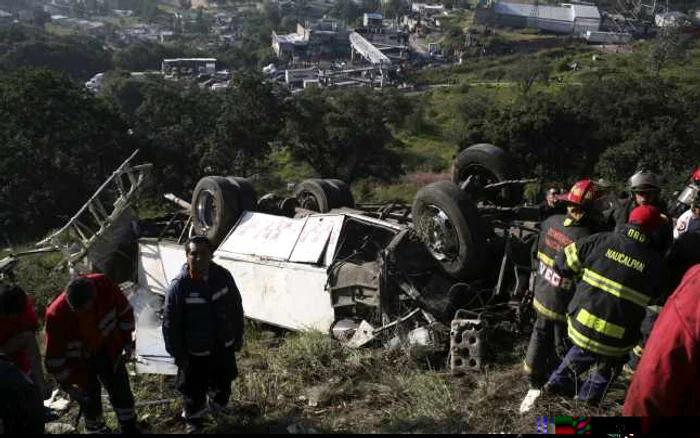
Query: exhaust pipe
x: 179, y: 201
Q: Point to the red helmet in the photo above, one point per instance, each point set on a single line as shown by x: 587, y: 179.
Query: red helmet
x: 695, y: 177
x: 583, y: 193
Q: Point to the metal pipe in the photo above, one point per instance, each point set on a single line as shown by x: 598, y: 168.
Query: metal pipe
x: 179, y: 201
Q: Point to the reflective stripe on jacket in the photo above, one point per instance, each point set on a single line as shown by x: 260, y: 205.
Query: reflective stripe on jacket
x: 620, y: 275
x: 200, y: 315
x: 552, y: 290
x: 71, y: 338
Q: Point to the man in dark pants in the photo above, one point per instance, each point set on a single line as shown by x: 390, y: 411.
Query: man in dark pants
x: 203, y: 328
x: 21, y: 407
x: 620, y: 273
x: 88, y: 339
x: 552, y: 292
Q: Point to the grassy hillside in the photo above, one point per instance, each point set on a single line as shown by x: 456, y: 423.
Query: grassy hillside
x: 308, y: 383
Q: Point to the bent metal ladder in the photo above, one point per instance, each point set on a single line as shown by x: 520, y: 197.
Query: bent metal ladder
x: 80, y: 229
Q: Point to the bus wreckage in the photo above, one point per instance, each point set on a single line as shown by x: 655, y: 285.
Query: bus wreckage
x: 441, y: 273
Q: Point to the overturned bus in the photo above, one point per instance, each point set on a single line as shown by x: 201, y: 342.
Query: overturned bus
x: 440, y: 273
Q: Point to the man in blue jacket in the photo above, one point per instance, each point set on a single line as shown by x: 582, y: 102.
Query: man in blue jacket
x: 203, y: 328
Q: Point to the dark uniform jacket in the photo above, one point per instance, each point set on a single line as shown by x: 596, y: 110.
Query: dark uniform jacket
x: 552, y: 291
x: 684, y: 253
x: 620, y: 274
x: 201, y: 316
x: 663, y: 238
x: 21, y: 406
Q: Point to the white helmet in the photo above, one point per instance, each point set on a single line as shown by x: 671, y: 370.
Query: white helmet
x: 644, y: 181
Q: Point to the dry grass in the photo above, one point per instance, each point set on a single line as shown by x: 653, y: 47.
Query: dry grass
x: 306, y: 382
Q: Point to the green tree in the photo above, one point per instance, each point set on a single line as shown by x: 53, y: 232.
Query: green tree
x: 250, y: 119
x: 49, y: 162
x: 345, y: 10
x: 40, y: 17
x: 669, y: 46
x: 343, y: 134
x: 529, y: 72
x: 201, y: 22
x: 272, y: 12
x: 144, y: 56
x: 81, y: 57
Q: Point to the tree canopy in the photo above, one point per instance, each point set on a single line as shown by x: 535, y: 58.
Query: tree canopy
x: 345, y: 134
x: 50, y: 163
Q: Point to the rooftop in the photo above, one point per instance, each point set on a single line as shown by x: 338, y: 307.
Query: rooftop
x: 564, y: 12
x: 292, y: 38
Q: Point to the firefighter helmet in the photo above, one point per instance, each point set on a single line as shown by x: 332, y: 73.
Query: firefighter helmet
x: 644, y: 181
x: 583, y: 193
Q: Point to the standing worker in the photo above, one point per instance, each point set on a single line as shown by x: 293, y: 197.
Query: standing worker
x: 552, y: 292
x: 88, y: 340
x: 645, y: 187
x: 203, y: 328
x: 620, y: 274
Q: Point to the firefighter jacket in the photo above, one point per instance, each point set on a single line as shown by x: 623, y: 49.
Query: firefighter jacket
x: 552, y: 291
x: 620, y: 274
x: 202, y: 316
x: 73, y: 337
x: 663, y: 237
x: 666, y: 382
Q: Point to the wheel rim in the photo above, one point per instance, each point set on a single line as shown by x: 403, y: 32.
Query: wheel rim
x: 483, y: 177
x: 308, y: 201
x: 206, y: 209
x: 479, y: 173
x: 438, y: 234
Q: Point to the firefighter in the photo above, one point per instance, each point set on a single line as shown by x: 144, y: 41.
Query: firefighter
x: 552, y: 292
x: 690, y: 219
x: 667, y: 383
x: 620, y: 274
x: 203, y: 329
x: 645, y: 188
x: 89, y: 329
x: 684, y: 253
x: 18, y: 326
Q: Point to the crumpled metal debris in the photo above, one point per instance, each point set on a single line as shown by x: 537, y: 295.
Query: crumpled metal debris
x: 56, y: 402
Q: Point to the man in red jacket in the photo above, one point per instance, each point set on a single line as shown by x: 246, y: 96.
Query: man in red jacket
x: 666, y: 382
x: 18, y: 326
x: 88, y: 338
